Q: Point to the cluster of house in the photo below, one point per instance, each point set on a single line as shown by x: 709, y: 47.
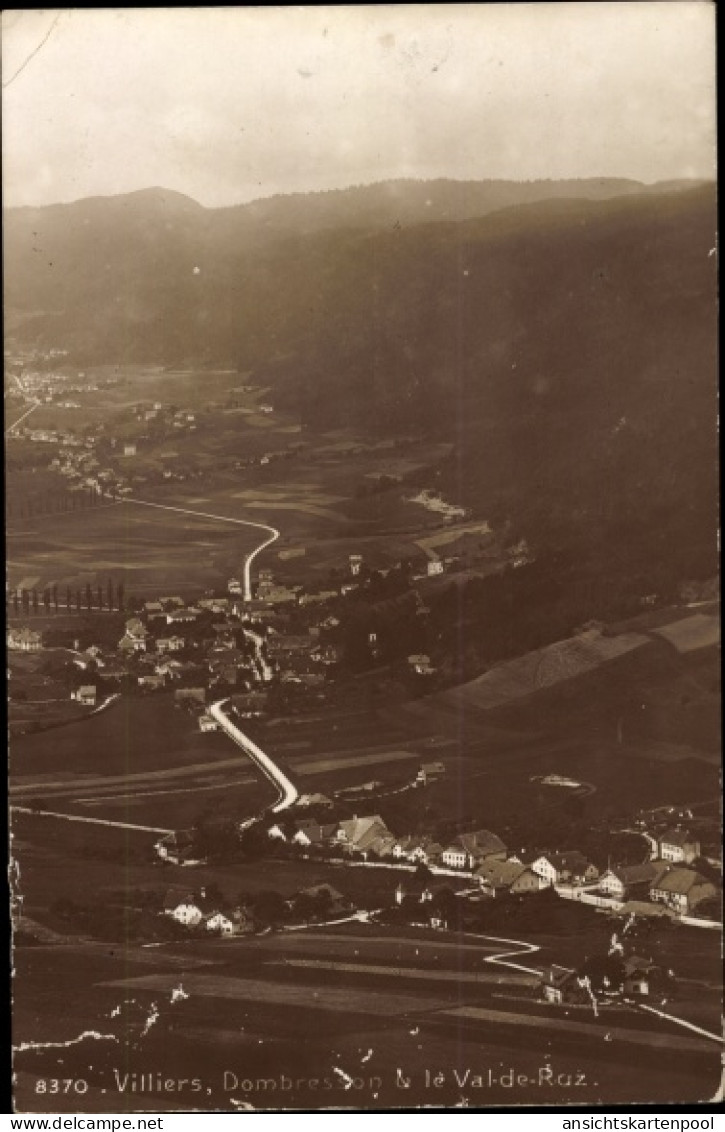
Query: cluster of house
x: 271, y: 594
x: 42, y: 385
x: 195, y: 909
x: 197, y: 647
x: 165, y: 415
x: 634, y: 976
x: 78, y: 463
x: 481, y: 856
x: 668, y: 881
x: 79, y: 460
x: 482, y: 860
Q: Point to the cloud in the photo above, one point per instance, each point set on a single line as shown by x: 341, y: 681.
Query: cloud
x: 230, y: 103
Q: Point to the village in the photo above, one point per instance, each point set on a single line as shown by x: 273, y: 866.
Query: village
x: 476, y: 866
x: 296, y: 645
x: 282, y: 651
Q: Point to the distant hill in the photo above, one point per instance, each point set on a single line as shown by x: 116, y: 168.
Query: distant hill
x: 114, y: 277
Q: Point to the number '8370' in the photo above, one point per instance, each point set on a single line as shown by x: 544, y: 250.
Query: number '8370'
x: 61, y: 1085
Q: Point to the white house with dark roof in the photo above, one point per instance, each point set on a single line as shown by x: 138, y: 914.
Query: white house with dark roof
x: 421, y: 849
x: 360, y: 835
x: 85, y: 695
x: 624, y: 881
x: 565, y: 868
x: 170, y: 644
x: 682, y: 890
x: 220, y: 923
x: 469, y: 849
x: 208, y: 722
x: 430, y: 772
x: 511, y: 876
x: 134, y: 639
x: 187, y: 908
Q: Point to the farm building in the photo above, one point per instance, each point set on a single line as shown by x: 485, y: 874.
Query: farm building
x: 219, y: 922
x: 177, y: 848
x: 565, y: 868
x: 281, y: 647
x: 276, y: 595
x: 682, y: 890
x: 24, y: 640
x: 417, y: 849
x: 85, y: 695
x: 214, y: 604
x: 639, y: 974
x: 178, y: 616
x: 429, y: 772
x: 134, y: 639
x: 332, y: 901
x: 507, y: 876
x: 193, y: 908
x: 562, y: 986
x: 678, y: 845
x: 169, y: 644
x: 469, y: 849
x: 310, y: 832
x: 190, y: 697
x: 151, y: 682
x: 318, y: 598
x: 360, y: 835
x: 305, y: 800
x: 627, y: 881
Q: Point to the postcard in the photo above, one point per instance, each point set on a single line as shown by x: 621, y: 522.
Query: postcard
x: 362, y: 594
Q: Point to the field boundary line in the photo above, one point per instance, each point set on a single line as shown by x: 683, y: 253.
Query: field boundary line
x: 88, y: 821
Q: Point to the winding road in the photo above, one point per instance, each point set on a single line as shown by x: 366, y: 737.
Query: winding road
x: 288, y: 793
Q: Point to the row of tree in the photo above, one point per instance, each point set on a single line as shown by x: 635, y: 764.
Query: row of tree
x: 52, y: 503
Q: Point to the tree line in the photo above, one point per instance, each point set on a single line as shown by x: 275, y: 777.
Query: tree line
x: 52, y: 503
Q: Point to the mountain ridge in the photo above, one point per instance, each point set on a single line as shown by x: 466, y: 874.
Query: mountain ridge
x: 624, y: 184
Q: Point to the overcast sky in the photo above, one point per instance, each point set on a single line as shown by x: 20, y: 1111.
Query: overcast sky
x: 229, y: 104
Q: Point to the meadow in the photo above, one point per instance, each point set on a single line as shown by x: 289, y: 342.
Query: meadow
x: 152, y: 551
x: 229, y: 1018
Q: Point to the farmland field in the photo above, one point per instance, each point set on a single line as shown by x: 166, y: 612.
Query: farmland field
x: 222, y: 1009
x: 633, y: 718
x: 561, y: 661
x: 697, y: 632
x: 135, y: 735
x: 141, y: 761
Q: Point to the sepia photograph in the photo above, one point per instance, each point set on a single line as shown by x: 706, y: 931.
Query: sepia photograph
x: 362, y: 558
